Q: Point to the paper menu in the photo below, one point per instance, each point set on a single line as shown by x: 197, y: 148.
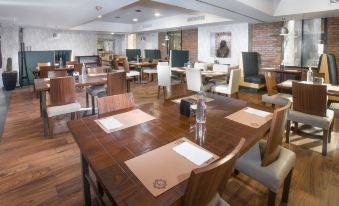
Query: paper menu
x: 110, y: 123
x: 192, y: 153
x: 257, y: 112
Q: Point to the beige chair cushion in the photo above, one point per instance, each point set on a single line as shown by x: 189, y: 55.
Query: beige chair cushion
x: 335, y: 108
x: 278, y: 99
x: 223, y: 88
x: 133, y: 73
x: 313, y: 120
x: 273, y: 175
x: 150, y: 71
x: 63, y: 109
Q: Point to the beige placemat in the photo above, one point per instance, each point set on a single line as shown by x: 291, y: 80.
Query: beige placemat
x: 194, y: 97
x: 249, y: 119
x: 161, y: 169
x: 128, y: 119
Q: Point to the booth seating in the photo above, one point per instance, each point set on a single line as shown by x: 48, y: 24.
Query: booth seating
x: 328, y: 67
x: 250, y: 79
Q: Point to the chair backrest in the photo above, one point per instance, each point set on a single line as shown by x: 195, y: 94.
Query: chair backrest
x: 115, y: 102
x: 234, y: 81
x: 116, y: 83
x: 200, y: 65
x: 155, y: 63
x: 332, y: 67
x: 78, y: 67
x: 250, y: 63
x: 145, y: 60
x: 206, y: 182
x: 43, y: 71
x: 72, y: 62
x: 271, y: 83
x: 126, y: 65
x: 44, y: 64
x: 220, y: 68
x: 163, y: 63
x: 57, y: 73
x: 194, y: 80
x: 115, y: 64
x: 309, y: 98
x: 164, y: 75
x: 62, y: 91
x: 272, y: 149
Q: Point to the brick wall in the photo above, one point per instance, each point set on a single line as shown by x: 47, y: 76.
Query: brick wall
x: 189, y: 42
x: 333, y: 37
x: 265, y: 39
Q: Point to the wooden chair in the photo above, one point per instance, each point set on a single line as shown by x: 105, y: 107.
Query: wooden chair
x: 310, y: 108
x: 116, y: 65
x: 272, y: 96
x: 205, y: 183
x: 232, y: 87
x: 269, y: 163
x: 152, y: 70
x: 115, y: 102
x: 94, y: 91
x: 57, y: 73
x: 62, y: 99
x: 43, y: 71
x: 130, y: 73
x: 78, y: 67
x: 116, y: 84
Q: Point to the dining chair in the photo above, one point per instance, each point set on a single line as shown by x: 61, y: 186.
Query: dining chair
x: 94, y: 91
x: 43, y: 71
x: 272, y: 96
x: 310, y: 108
x: 71, y: 62
x: 130, y: 73
x: 232, y: 87
x: 115, y: 102
x: 78, y: 67
x: 116, y: 66
x: 152, y: 70
x: 220, y: 68
x: 62, y: 99
x: 164, y: 79
x: 194, y: 80
x: 162, y: 63
x: 206, y: 183
x: 116, y: 84
x: 268, y: 162
x: 200, y: 65
x: 57, y: 73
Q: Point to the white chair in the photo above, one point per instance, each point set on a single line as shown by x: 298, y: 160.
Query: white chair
x: 164, y: 78
x: 194, y: 80
x: 162, y: 63
x: 130, y: 73
x: 200, y: 65
x: 151, y: 70
x: 232, y: 87
x: 220, y: 68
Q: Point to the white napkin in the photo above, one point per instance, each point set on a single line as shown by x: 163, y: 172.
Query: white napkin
x: 110, y: 123
x: 257, y: 112
x: 192, y: 153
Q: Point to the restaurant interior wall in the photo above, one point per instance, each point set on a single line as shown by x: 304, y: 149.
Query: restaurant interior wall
x: 148, y: 40
x: 239, y: 42
x: 333, y: 37
x: 104, y: 41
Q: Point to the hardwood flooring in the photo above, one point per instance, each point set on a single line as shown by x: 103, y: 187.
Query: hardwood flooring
x: 39, y: 171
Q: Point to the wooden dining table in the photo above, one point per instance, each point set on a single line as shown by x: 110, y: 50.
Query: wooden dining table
x: 42, y: 86
x: 106, y: 153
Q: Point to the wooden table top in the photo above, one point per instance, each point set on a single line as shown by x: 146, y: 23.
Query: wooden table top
x: 106, y: 153
x: 208, y: 73
x: 35, y: 70
x: 286, y: 71
x: 332, y: 90
x: 141, y: 64
x: 42, y: 84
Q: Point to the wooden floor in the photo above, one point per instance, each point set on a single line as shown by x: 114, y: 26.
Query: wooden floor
x: 39, y: 171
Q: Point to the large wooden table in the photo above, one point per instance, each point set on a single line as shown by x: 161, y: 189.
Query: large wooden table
x: 106, y: 153
x: 42, y: 86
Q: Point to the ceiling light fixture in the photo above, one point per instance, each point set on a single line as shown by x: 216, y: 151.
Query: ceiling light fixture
x: 156, y: 14
x: 135, y: 19
x: 99, y: 17
x: 112, y: 33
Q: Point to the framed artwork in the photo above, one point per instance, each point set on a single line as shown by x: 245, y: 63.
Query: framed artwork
x: 221, y: 44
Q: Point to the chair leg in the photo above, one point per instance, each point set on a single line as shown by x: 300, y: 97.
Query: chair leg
x: 237, y: 95
x: 236, y: 172
x: 159, y: 91
x: 72, y: 116
x: 77, y: 115
x: 100, y: 189
x: 325, y: 136
x: 50, y: 126
x: 295, y: 127
x: 271, y: 198
x: 288, y: 129
x: 330, y: 131
x: 287, y: 184
x: 164, y: 91
x: 93, y: 105
x: 87, y: 100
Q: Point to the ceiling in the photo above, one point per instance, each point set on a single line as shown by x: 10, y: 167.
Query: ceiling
x: 146, y: 9
x: 83, y: 14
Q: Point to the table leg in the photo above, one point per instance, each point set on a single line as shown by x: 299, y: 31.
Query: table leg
x: 85, y: 183
x: 43, y: 107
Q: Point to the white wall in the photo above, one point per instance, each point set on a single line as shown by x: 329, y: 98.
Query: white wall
x: 240, y: 36
x: 150, y: 42
x: 9, y: 45
x: 119, y: 42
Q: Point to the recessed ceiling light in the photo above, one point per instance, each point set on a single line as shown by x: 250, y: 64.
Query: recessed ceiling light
x: 112, y: 33
x: 99, y: 17
x: 137, y: 10
x: 156, y: 14
x: 135, y: 19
